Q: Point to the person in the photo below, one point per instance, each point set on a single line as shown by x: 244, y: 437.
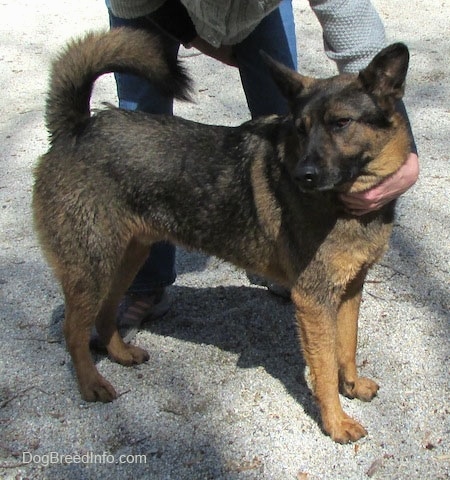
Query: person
x: 234, y: 33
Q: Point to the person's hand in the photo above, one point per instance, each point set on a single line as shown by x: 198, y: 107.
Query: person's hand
x: 224, y: 53
x: 392, y: 187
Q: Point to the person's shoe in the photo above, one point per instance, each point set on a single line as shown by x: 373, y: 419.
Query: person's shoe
x: 279, y: 290
x: 134, y: 310
x: 274, y: 288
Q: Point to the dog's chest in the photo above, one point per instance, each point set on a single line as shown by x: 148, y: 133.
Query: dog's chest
x: 352, y: 246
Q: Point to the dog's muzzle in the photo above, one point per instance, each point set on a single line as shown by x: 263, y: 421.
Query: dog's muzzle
x: 307, y: 176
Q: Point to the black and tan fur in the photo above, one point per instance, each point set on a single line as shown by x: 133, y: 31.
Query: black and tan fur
x: 263, y: 195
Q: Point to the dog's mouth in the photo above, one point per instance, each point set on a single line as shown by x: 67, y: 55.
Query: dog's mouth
x: 317, y: 189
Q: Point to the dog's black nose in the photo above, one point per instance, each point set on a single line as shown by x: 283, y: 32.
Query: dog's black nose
x: 307, y: 176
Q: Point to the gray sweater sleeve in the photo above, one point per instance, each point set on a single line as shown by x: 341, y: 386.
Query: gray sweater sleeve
x: 352, y: 32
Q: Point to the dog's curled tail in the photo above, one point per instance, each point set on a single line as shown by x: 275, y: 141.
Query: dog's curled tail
x: 121, y: 50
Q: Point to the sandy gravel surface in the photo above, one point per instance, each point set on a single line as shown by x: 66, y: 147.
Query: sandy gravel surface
x: 223, y: 395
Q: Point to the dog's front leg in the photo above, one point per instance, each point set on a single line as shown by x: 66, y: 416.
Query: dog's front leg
x: 351, y: 385
x: 317, y: 325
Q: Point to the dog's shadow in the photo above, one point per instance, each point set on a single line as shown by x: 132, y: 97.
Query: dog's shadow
x: 246, y: 321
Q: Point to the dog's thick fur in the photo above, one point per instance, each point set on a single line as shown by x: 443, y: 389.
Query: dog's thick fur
x: 263, y: 195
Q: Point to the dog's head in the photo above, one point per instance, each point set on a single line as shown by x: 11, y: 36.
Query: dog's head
x: 346, y: 127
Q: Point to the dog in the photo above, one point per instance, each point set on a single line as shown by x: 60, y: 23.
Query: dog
x: 263, y: 195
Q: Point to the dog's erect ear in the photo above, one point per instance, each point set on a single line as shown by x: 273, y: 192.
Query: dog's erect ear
x: 288, y: 81
x: 386, y: 74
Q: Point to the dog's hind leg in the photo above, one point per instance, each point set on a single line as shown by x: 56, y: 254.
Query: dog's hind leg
x: 83, y: 302
x: 93, y: 297
x: 351, y: 385
x: 118, y: 350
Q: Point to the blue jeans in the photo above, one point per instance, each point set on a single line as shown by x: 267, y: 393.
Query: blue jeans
x: 276, y: 36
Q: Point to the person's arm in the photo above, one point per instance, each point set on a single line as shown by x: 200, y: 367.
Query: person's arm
x: 353, y: 32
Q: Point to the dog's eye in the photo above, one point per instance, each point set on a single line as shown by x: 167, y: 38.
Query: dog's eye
x: 341, y: 123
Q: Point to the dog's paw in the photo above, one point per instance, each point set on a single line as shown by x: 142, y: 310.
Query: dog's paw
x: 345, y: 429
x: 97, y: 389
x: 363, y: 388
x: 129, y: 355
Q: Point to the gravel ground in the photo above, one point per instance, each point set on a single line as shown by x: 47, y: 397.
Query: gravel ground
x: 223, y: 395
